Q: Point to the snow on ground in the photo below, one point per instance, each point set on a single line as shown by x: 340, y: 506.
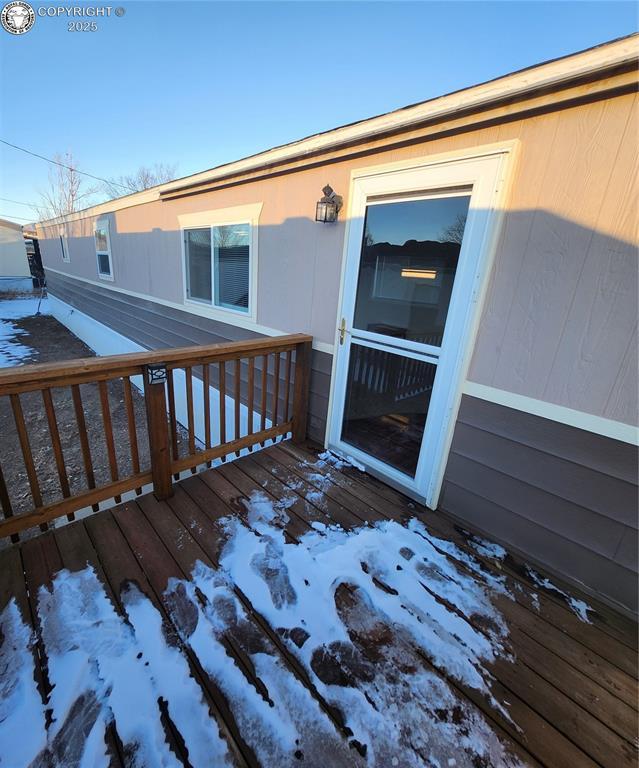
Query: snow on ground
x: 12, y: 351
x: 379, y: 619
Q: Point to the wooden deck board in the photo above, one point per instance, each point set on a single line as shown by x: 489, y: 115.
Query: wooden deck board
x: 569, y: 690
x: 537, y: 624
x: 616, y: 643
x: 523, y: 682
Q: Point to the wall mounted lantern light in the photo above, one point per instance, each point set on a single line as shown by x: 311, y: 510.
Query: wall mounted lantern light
x: 328, y: 206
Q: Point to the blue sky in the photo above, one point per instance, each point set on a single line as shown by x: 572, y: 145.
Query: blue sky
x: 202, y: 83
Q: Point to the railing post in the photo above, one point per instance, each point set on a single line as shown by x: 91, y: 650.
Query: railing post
x: 303, y: 354
x: 155, y: 377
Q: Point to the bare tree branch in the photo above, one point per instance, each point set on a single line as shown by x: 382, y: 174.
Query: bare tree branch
x: 144, y: 178
x: 455, y: 232
x: 67, y: 192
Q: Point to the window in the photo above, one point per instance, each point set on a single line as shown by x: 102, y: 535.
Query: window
x: 198, y: 264
x: 103, y: 250
x: 64, y: 246
x: 218, y: 265
x: 408, y: 263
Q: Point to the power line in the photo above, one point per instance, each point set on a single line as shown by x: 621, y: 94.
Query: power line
x: 11, y: 216
x: 63, y: 165
x: 19, y: 202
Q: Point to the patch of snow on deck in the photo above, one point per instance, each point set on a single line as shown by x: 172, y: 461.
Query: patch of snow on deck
x: 21, y: 709
x: 12, y: 351
x: 487, y: 548
x: 579, y: 607
x: 101, y: 671
x: 339, y: 462
x: 377, y: 619
x: 366, y: 612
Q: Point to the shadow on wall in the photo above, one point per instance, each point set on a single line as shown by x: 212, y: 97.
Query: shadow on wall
x: 559, y: 321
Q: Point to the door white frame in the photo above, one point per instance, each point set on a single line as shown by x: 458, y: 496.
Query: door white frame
x: 483, y: 172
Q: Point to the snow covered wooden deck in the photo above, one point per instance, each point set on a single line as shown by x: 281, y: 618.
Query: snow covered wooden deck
x: 287, y: 609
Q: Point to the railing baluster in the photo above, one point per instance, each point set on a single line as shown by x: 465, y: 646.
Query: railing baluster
x: 251, y: 393
x: 5, y: 502
x: 172, y: 418
x: 57, y: 446
x: 189, y: 412
x: 237, y: 392
x: 222, y: 369
x: 276, y: 388
x: 207, y: 407
x: 84, y: 438
x: 133, y: 434
x: 287, y: 391
x: 108, y: 433
x: 23, y: 437
x: 264, y: 391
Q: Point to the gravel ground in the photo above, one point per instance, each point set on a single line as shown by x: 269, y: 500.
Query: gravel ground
x: 48, y: 340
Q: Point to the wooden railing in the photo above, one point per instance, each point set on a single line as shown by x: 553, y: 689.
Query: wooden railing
x: 261, y: 388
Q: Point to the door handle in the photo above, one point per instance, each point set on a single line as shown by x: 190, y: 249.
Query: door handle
x: 342, y: 331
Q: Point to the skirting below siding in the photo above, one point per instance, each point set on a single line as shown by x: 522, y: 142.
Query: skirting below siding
x: 155, y: 326
x: 561, y: 496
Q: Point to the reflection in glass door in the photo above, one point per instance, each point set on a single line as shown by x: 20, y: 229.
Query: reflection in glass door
x: 387, y: 399
x: 408, y: 262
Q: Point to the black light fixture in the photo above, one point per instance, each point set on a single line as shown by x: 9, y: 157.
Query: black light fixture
x: 328, y: 206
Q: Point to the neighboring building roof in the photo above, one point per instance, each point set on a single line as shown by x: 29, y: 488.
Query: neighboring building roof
x: 608, y: 59
x: 10, y: 224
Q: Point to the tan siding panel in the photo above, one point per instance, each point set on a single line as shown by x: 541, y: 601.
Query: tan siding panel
x: 622, y: 404
x: 580, y: 165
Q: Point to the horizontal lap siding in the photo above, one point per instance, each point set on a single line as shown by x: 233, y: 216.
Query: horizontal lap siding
x: 156, y: 326
x: 564, y: 497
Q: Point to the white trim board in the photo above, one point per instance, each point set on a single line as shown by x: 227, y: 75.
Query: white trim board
x: 616, y: 430
x: 210, y: 313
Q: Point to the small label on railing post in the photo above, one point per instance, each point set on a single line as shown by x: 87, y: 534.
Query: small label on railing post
x: 156, y: 373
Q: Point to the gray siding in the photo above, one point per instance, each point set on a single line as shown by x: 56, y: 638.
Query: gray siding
x: 561, y: 496
x: 155, y: 326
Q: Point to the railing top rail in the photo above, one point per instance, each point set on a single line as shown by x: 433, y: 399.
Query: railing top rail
x: 42, y: 375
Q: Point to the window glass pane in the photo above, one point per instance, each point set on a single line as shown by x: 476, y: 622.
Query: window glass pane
x: 232, y: 266
x: 408, y: 264
x: 387, y: 399
x: 198, y: 264
x: 104, y: 264
x: 101, y: 239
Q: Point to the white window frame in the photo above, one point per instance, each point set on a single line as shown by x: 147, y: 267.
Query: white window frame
x: 64, y: 244
x: 223, y: 217
x: 103, y: 224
